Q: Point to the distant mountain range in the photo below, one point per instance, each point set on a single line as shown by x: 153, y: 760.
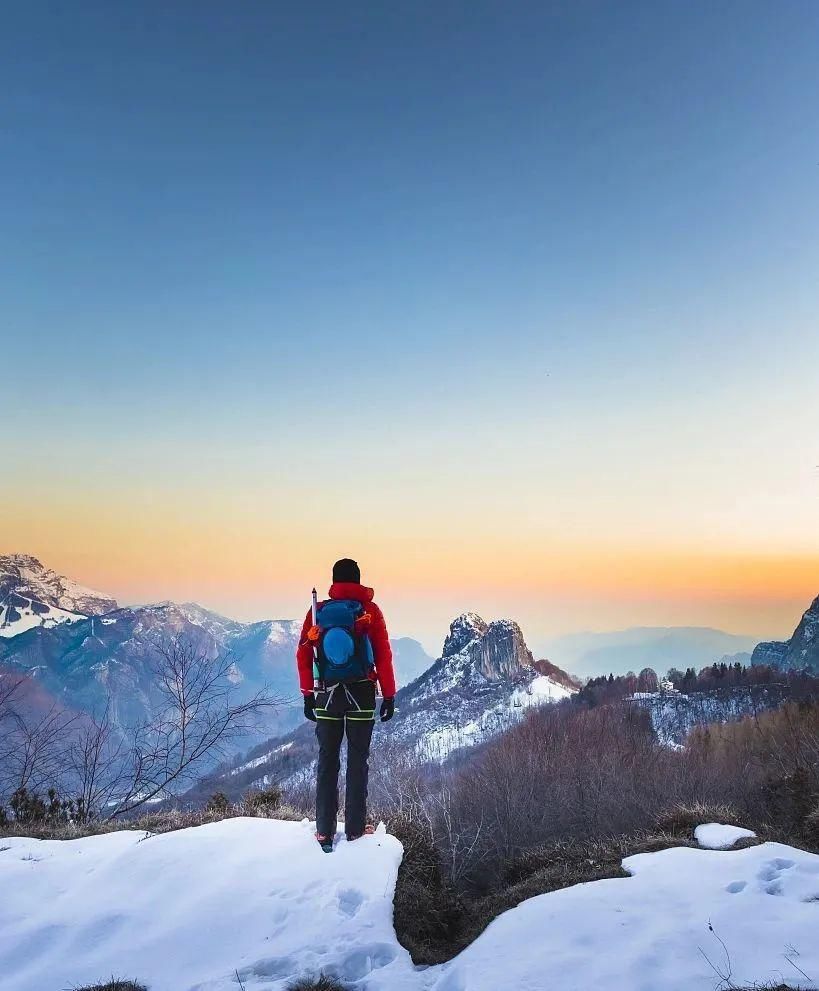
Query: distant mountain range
x: 588, y: 655
x: 84, y: 651
x: 409, y: 658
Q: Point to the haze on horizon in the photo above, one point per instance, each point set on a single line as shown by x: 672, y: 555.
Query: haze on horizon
x: 517, y: 307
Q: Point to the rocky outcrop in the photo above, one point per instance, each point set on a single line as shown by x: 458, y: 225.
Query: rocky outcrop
x: 803, y: 647
x: 770, y: 653
x: 501, y: 653
x: 465, y: 630
x: 497, y: 650
x: 801, y: 652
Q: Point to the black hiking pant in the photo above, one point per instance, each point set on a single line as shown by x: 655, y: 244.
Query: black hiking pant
x: 344, y: 709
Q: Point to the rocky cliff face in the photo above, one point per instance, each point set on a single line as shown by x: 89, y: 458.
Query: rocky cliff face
x: 770, y: 653
x: 803, y: 648
x: 801, y: 652
x: 497, y: 650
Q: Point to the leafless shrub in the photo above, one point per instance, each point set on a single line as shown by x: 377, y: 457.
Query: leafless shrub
x: 197, y: 716
x: 114, y: 985
x: 264, y: 802
x: 32, y: 746
x: 321, y: 983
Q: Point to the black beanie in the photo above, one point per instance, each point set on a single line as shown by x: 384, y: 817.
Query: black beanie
x: 346, y: 570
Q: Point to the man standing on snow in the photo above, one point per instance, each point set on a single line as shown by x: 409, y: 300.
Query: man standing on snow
x: 342, y: 653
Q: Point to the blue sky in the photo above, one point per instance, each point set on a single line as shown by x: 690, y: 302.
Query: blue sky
x: 499, y: 273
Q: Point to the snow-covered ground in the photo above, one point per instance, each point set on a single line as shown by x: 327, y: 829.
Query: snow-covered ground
x: 256, y: 900
x: 674, y: 715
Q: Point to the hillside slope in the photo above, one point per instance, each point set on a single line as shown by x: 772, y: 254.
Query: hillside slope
x: 255, y: 901
x: 111, y: 660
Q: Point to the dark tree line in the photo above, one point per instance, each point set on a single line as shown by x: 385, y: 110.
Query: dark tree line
x: 717, y: 677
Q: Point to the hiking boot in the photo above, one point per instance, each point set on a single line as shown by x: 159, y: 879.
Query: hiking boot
x: 325, y: 842
x: 369, y: 829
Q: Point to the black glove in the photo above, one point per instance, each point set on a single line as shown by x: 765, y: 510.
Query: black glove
x: 387, y: 710
x: 309, y: 707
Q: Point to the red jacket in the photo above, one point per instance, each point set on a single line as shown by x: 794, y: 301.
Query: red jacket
x: 377, y: 632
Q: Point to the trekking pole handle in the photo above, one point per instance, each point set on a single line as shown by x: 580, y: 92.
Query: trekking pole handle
x: 316, y: 679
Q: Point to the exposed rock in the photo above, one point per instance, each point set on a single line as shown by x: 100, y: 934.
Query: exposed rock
x: 801, y: 652
x: 803, y: 648
x: 770, y: 653
x: 463, y: 631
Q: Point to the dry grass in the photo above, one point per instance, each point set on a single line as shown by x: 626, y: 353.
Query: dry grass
x: 153, y: 822
x: 114, y: 985
x: 320, y: 983
x: 768, y: 987
x: 685, y: 817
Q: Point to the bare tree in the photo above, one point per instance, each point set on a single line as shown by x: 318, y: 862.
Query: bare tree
x: 198, y: 715
x: 39, y: 756
x: 10, y: 725
x: 32, y: 748
x: 98, y: 764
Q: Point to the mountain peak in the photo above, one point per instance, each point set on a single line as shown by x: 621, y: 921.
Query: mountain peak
x: 33, y: 595
x: 19, y: 562
x: 496, y: 649
x: 464, y: 630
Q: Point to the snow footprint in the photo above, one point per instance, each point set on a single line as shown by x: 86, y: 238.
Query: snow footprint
x: 363, y: 961
x: 349, y: 902
x: 271, y: 968
x: 770, y: 875
x: 736, y: 886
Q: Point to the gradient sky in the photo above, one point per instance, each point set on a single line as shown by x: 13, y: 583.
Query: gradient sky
x: 516, y: 303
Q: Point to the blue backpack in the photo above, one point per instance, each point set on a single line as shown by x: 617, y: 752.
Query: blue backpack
x: 343, y: 654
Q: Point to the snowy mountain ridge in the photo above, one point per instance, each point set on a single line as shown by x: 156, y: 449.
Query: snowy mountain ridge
x: 32, y: 595
x: 674, y: 714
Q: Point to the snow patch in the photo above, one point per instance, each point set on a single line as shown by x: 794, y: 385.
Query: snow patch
x: 18, y: 619
x: 715, y: 836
